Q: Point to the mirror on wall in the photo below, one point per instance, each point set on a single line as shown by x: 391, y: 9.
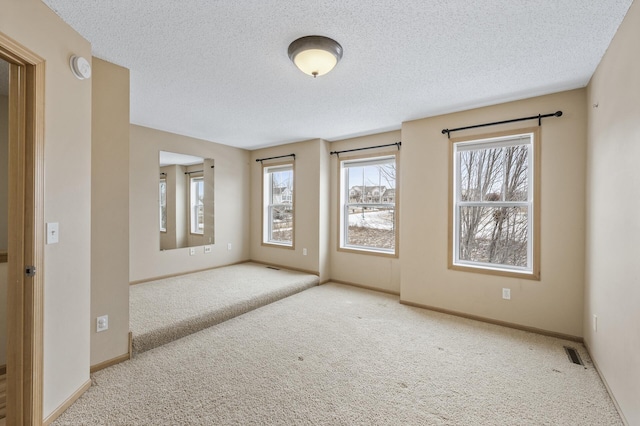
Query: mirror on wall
x: 185, y: 201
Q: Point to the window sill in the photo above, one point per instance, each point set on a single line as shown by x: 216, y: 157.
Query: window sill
x: 525, y: 275
x: 278, y: 245
x: 370, y: 252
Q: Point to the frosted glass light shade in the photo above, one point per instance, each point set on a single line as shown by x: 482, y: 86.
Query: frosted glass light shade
x: 315, y: 55
x: 315, y: 62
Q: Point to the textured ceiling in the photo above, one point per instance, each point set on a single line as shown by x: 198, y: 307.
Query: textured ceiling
x: 168, y: 158
x: 218, y: 70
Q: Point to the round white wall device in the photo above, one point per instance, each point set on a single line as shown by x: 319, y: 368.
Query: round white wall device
x: 80, y: 67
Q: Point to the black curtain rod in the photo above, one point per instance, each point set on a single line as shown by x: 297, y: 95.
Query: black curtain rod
x: 195, y: 171
x: 538, y: 117
x: 260, y: 160
x: 369, y: 147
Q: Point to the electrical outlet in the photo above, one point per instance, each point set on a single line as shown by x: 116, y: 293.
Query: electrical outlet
x: 304, y: 251
x: 228, y: 246
x: 595, y: 323
x: 506, y: 293
x: 207, y: 249
x: 102, y: 323
x: 192, y: 251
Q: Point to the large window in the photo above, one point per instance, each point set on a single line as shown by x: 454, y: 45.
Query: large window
x: 196, y: 196
x: 495, y: 218
x: 368, y: 200
x: 277, y: 227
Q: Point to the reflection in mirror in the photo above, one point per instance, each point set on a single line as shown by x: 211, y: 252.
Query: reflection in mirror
x: 185, y: 201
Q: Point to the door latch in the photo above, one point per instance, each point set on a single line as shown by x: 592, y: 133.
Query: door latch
x: 30, y: 271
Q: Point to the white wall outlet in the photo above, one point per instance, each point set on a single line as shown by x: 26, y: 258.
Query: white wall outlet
x: 192, y: 251
x: 595, y: 323
x: 102, y: 323
x: 228, y: 246
x: 506, y: 293
x: 304, y: 251
x: 207, y: 249
x: 52, y: 233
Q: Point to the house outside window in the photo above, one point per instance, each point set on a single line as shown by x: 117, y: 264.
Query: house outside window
x: 494, y: 225
x: 368, y: 205
x: 196, y: 205
x: 278, y: 205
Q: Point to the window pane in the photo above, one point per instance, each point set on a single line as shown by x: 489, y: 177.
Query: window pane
x: 369, y: 204
x: 372, y: 184
x: 282, y: 187
x: 281, y: 224
x: 481, y: 175
x: 371, y: 227
x: 163, y: 206
x: 516, y: 161
x: 494, y: 235
x: 278, y: 203
x: 197, y: 205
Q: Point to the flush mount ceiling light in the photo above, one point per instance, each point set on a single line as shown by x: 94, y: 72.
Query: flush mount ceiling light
x: 315, y: 55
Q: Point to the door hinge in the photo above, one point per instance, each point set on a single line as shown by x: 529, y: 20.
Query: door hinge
x: 30, y: 271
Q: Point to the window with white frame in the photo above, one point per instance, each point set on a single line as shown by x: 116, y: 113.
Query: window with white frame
x: 368, y: 200
x: 494, y: 204
x: 196, y: 205
x: 163, y: 205
x: 278, y: 207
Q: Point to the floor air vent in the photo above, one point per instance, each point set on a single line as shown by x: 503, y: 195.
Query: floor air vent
x: 573, y: 355
x: 273, y: 267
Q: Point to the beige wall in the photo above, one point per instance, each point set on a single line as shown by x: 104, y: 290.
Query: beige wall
x: 555, y: 302
x: 231, y: 205
x: 176, y: 234
x: 613, y: 227
x: 363, y: 269
x: 109, y: 210
x: 309, y: 184
x: 324, y: 212
x: 67, y: 177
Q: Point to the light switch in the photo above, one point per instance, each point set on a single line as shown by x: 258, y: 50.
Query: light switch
x: 52, y: 233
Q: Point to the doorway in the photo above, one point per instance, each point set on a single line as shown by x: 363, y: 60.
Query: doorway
x: 25, y: 233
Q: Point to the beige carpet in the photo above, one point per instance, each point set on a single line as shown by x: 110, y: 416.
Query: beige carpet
x: 337, y: 355
x: 168, y: 309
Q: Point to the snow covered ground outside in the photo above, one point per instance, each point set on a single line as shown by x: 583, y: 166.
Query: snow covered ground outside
x: 372, y: 219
